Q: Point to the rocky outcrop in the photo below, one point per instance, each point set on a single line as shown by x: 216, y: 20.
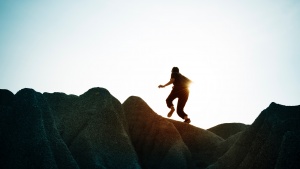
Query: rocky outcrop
x: 156, y: 141
x: 163, y: 143
x: 201, y: 143
x: 226, y: 130
x: 61, y: 131
x: 270, y: 142
x: 29, y: 138
x: 94, y: 130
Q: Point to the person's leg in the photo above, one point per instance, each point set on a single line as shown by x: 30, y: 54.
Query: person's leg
x: 171, y: 111
x: 169, y: 101
x: 182, y: 99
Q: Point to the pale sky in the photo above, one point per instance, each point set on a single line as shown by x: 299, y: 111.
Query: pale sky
x: 241, y: 55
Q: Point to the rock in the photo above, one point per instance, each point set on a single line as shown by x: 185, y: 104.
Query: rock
x: 264, y: 144
x: 201, y: 143
x: 224, y: 146
x: 30, y: 138
x: 94, y: 127
x: 155, y: 139
x: 64, y: 131
x: 163, y: 143
x: 226, y: 130
x: 289, y: 153
x: 94, y: 130
x: 6, y: 97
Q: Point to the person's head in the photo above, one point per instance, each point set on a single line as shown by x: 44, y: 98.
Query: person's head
x: 175, y: 70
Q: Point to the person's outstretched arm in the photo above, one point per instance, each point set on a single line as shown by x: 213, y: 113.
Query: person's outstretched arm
x: 167, y: 84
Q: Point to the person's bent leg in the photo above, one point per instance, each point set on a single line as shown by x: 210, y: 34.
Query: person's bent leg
x: 170, y: 99
x: 182, y: 99
x: 171, y: 111
x: 169, y: 102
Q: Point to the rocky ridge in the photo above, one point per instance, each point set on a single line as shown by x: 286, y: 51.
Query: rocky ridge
x: 94, y: 130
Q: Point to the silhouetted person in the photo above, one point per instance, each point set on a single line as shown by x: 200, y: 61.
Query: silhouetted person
x: 180, y: 90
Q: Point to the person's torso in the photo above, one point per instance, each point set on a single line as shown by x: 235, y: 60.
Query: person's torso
x: 180, y: 81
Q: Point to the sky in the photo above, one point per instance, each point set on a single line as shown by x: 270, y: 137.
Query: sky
x: 241, y: 55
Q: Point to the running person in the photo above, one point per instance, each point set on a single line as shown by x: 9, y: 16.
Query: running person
x: 180, y: 90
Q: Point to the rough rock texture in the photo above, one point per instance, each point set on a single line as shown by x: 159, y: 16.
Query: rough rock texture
x: 224, y: 146
x: 94, y: 130
x: 61, y: 131
x: 29, y: 138
x: 201, y: 143
x: 270, y: 142
x: 226, y: 130
x: 162, y: 143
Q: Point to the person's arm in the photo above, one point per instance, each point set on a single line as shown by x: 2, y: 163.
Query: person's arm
x: 167, y: 84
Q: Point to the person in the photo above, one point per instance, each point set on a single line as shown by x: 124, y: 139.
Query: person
x: 180, y: 90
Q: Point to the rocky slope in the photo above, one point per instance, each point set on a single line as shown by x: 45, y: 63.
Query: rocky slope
x: 64, y: 131
x: 228, y: 129
x: 272, y: 141
x: 94, y: 130
x: 162, y: 143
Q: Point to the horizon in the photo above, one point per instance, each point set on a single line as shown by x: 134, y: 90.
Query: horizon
x: 241, y: 56
x: 177, y: 119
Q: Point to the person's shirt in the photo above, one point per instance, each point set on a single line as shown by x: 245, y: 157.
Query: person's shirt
x: 180, y: 81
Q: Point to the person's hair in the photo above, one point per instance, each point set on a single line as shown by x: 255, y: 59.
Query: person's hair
x: 175, y: 70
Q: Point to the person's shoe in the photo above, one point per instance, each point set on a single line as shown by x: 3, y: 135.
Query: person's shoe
x: 187, y: 121
x: 171, y: 112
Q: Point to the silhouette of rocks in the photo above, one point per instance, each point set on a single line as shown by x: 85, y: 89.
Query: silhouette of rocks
x: 270, y: 142
x: 224, y: 146
x: 61, y: 131
x: 230, y: 132
x: 156, y: 140
x: 94, y: 127
x: 29, y: 138
x: 163, y: 143
x: 228, y: 129
x: 201, y: 143
x: 94, y: 130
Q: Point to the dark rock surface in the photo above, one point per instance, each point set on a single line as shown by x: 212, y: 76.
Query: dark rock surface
x: 163, y: 143
x: 226, y: 130
x: 65, y: 131
x: 270, y: 142
x: 156, y: 140
x: 29, y: 138
x: 94, y: 130
x: 201, y: 143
